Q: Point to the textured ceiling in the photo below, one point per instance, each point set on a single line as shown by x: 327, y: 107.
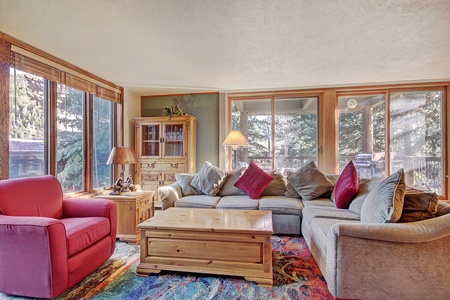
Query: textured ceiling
x: 168, y: 46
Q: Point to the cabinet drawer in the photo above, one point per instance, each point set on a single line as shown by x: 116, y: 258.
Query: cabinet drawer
x: 150, y: 177
x: 176, y: 167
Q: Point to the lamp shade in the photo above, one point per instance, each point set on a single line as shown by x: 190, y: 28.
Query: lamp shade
x: 235, y: 139
x: 122, y: 156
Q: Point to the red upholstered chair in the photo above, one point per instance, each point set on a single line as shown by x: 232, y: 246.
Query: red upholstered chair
x: 47, y: 244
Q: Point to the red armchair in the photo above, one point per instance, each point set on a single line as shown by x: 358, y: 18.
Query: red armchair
x: 49, y: 244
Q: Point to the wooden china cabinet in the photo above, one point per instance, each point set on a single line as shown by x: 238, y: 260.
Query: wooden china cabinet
x: 164, y: 147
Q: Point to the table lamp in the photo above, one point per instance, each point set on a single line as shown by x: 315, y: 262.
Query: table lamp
x: 121, y: 156
x: 235, y: 139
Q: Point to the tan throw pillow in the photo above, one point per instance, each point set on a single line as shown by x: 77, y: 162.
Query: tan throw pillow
x: 277, y: 187
x: 228, y: 188
x: 209, y: 179
x: 419, y: 205
x: 384, y: 204
x: 309, y: 182
x: 184, y: 180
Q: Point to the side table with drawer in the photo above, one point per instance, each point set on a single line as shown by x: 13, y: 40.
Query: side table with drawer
x: 132, y: 208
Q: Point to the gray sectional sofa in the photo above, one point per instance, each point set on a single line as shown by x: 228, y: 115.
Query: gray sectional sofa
x: 359, y: 260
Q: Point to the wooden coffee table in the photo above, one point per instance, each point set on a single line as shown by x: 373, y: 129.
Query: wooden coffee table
x: 213, y: 241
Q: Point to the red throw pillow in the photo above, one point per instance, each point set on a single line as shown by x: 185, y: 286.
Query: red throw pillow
x: 254, y: 181
x: 347, y: 186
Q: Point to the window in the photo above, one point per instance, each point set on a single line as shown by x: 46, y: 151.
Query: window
x: 416, y: 137
x: 28, y: 124
x: 62, y: 119
x: 362, y: 134
x: 415, y: 130
x: 281, y: 131
x: 102, y: 141
x: 70, y: 156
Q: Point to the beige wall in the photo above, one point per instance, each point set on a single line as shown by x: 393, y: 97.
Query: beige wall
x: 131, y: 109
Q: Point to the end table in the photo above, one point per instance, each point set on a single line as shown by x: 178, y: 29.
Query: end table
x: 132, y: 208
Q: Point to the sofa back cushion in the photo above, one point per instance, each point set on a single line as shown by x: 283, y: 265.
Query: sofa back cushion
x: 228, y: 188
x: 39, y: 196
x: 184, y: 180
x: 384, y: 204
x: 419, y: 205
x: 277, y: 187
x: 209, y: 179
x: 309, y: 182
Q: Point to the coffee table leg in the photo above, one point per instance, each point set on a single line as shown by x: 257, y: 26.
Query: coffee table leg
x: 143, y: 270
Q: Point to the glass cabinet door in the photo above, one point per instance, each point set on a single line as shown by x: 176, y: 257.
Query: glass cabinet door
x: 173, y: 140
x: 151, y: 140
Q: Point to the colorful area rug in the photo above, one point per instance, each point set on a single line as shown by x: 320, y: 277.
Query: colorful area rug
x: 296, y: 276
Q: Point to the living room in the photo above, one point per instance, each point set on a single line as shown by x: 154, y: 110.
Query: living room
x: 331, y: 67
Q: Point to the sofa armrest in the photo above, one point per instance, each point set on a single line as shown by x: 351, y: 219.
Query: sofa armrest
x: 409, y: 260
x: 31, y: 246
x: 168, y: 194
x: 413, y: 232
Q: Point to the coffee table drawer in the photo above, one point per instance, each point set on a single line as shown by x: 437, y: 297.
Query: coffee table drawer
x: 207, y: 250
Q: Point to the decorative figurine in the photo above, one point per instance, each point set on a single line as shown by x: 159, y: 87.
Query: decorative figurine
x: 118, y: 187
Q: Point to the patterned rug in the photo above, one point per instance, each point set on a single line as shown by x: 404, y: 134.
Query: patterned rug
x: 296, y: 276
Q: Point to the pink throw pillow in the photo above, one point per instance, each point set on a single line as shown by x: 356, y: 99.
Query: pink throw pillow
x: 347, y: 186
x: 254, y: 181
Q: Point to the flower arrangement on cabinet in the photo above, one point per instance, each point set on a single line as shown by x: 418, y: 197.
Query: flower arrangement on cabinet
x: 172, y: 111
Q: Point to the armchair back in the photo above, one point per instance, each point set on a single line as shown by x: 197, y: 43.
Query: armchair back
x: 40, y: 196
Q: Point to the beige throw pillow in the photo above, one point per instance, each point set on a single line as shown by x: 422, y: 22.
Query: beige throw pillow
x: 228, y: 188
x: 209, y: 179
x: 184, y: 180
x: 277, y: 187
x: 384, y: 204
x: 309, y: 182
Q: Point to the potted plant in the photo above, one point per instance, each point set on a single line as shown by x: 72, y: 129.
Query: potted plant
x: 173, y: 110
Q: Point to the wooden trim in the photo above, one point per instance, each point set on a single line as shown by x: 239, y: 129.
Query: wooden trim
x: 88, y: 142
x: 27, y: 47
x: 5, y: 60
x: 327, y: 131
x: 175, y: 95
x: 53, y: 128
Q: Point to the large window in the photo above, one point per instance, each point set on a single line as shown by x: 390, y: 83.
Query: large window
x: 103, y: 122
x: 62, y: 119
x: 414, y: 125
x: 70, y: 138
x: 28, y: 124
x: 281, y: 131
x: 416, y: 137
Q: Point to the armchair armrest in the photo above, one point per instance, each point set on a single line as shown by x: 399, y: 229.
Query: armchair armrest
x: 79, y: 208
x: 93, y: 207
x: 30, y: 246
x: 169, y: 194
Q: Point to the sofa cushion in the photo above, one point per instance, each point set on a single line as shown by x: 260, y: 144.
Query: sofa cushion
x: 419, y: 205
x: 281, y: 205
x: 320, y: 202
x: 198, y: 201
x: 277, y: 187
x: 238, y: 202
x: 228, y: 188
x: 209, y: 179
x: 384, y: 204
x: 81, y: 233
x: 311, y: 212
x: 346, y: 187
x: 254, y: 181
x: 309, y: 182
x: 184, y: 180
x: 365, y: 186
